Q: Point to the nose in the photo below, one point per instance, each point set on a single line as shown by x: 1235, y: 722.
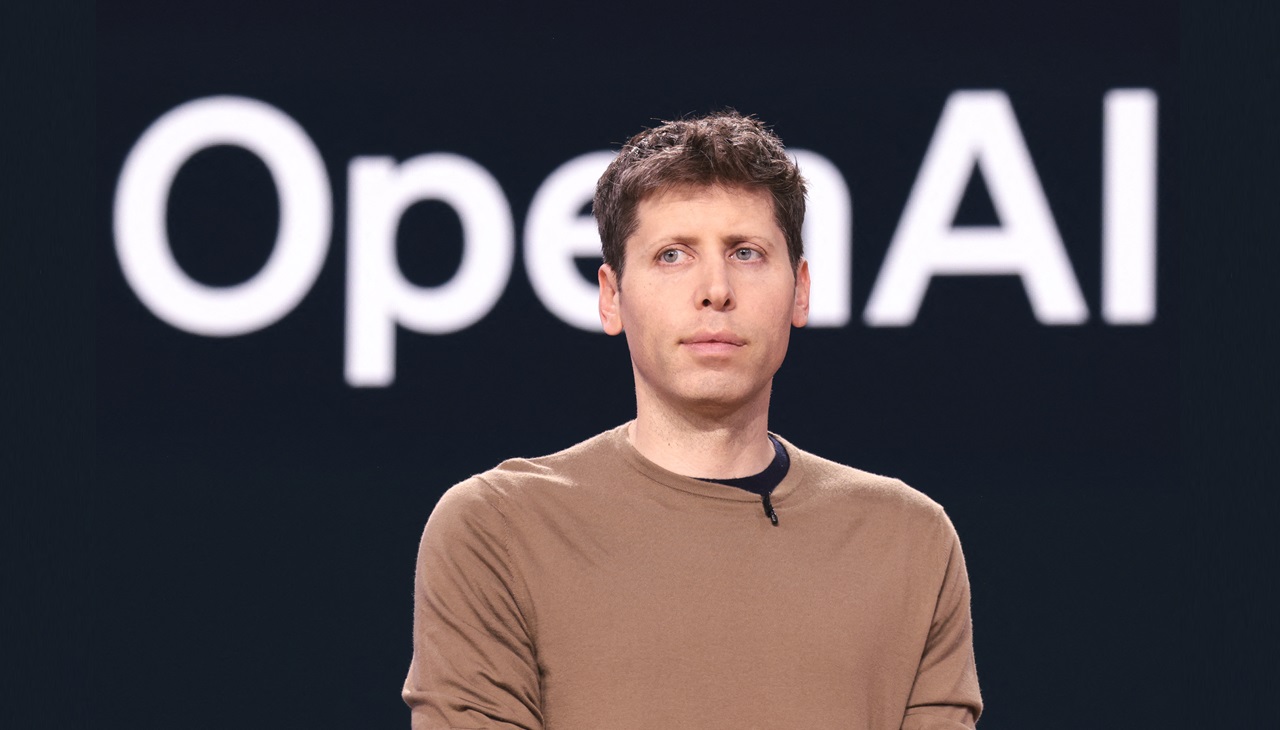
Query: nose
x: 715, y: 290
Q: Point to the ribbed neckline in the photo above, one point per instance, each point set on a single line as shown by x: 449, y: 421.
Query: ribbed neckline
x: 629, y: 453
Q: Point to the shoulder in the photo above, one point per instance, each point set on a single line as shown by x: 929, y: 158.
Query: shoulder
x: 515, y: 481
x: 886, y: 496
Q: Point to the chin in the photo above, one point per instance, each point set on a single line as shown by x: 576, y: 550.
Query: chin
x: 717, y: 401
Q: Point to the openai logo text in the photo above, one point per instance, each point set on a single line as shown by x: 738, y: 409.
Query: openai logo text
x: 975, y: 128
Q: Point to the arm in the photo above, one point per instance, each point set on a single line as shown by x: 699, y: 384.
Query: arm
x: 473, y: 653
x: 945, y: 695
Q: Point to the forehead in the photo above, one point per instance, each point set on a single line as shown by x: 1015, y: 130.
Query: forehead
x: 702, y: 205
x: 746, y: 197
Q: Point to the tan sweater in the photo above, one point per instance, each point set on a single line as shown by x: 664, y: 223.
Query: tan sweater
x: 592, y: 589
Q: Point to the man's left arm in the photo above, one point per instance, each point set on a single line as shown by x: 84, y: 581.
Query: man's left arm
x: 945, y: 695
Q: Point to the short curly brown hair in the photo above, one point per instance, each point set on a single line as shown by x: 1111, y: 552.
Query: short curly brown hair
x: 724, y: 148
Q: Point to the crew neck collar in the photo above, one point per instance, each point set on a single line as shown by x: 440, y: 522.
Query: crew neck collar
x: 629, y: 453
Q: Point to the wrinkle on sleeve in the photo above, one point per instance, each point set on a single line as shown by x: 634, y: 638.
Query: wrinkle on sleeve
x: 945, y: 695
x: 474, y: 664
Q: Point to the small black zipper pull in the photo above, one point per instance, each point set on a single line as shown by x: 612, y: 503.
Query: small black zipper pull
x: 768, y: 509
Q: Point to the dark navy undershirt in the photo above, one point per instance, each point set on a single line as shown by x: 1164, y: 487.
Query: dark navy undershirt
x: 764, y: 482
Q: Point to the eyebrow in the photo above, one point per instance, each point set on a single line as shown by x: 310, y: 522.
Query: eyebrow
x: 730, y: 238
x: 735, y: 237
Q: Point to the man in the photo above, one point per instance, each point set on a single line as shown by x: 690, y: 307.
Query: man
x: 689, y: 569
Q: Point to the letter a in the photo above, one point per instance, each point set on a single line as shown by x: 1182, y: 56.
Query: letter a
x: 977, y: 127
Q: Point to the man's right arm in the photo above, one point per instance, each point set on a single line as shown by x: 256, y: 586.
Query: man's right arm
x: 473, y: 655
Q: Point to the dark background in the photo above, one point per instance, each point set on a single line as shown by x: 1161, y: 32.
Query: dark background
x: 254, y: 518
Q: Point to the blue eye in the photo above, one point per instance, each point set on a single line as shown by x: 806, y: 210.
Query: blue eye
x: 670, y: 256
x: 746, y: 254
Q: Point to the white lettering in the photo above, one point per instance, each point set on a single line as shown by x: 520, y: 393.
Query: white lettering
x: 976, y: 127
x: 556, y: 233
x: 378, y: 296
x: 142, y: 199
x: 977, y: 131
x: 1129, y: 206
x: 828, y: 240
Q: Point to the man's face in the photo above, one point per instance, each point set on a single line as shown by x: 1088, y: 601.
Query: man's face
x: 709, y: 300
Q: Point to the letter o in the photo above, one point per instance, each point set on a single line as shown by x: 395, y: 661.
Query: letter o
x: 142, y: 199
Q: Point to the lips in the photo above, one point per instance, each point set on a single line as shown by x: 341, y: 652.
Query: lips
x: 713, y: 342
x: 727, y: 338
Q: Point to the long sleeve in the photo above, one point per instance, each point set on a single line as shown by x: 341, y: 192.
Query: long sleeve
x: 945, y: 695
x: 473, y: 653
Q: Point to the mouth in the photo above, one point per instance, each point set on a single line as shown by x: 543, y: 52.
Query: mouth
x: 711, y: 343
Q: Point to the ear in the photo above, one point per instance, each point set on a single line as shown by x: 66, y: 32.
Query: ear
x: 610, y: 300
x: 800, y: 311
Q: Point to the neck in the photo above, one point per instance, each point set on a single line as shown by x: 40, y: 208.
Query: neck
x: 711, y: 445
